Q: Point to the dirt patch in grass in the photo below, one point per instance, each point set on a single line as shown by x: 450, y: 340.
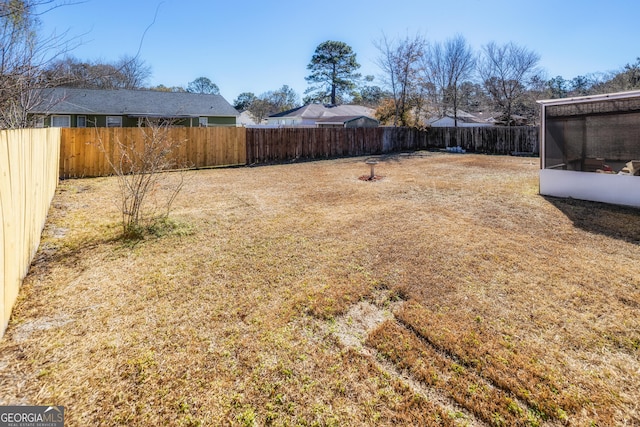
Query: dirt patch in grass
x: 447, y: 293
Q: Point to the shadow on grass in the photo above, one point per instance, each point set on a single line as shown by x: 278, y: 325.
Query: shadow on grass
x: 618, y: 222
x: 63, y: 253
x: 70, y: 252
x: 403, y: 155
x: 395, y: 156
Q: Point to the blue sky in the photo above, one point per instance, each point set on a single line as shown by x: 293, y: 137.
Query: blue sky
x: 257, y: 46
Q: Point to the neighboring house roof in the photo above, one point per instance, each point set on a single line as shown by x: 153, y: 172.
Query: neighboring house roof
x: 463, y: 117
x: 339, y: 120
x: 515, y: 120
x: 144, y: 103
x: 317, y: 111
x: 488, y: 116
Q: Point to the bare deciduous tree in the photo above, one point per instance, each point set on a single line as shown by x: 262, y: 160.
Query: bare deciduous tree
x: 400, y: 62
x: 29, y: 61
x: 260, y: 109
x: 203, y: 85
x: 506, y: 72
x: 23, y: 56
x: 445, y: 67
x: 134, y: 71
x: 163, y: 88
x: 273, y: 102
x: 282, y: 99
x: 126, y: 73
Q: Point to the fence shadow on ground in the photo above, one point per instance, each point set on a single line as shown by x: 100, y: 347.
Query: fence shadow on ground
x: 618, y: 222
x: 398, y: 157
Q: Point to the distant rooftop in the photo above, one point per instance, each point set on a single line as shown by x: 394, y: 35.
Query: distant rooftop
x: 144, y: 103
x: 338, y: 119
x: 316, y: 111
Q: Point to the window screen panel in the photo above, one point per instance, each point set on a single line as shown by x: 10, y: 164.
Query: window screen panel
x: 614, y: 137
x: 61, y: 121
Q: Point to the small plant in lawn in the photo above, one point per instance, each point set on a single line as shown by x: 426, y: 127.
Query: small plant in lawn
x: 247, y: 418
x: 146, y: 193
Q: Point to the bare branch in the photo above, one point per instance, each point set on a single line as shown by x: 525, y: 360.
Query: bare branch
x: 506, y: 72
x: 23, y: 57
x: 139, y: 169
x: 400, y: 61
x: 445, y: 67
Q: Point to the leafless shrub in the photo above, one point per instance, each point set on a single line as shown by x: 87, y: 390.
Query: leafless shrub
x: 145, y: 190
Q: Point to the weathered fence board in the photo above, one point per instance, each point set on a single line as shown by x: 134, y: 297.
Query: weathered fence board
x: 490, y: 140
x: 82, y: 155
x: 28, y: 179
x: 287, y: 144
x: 89, y: 152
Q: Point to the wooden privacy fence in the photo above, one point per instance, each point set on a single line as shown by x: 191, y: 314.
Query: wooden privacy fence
x: 87, y: 152
x: 284, y: 144
x: 489, y: 139
x: 28, y: 179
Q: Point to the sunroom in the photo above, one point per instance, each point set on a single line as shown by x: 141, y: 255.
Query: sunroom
x: 590, y: 148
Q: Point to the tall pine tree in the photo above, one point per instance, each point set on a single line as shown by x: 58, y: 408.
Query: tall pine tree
x: 333, y: 72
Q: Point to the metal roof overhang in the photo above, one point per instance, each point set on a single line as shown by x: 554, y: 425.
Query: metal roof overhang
x: 590, y: 98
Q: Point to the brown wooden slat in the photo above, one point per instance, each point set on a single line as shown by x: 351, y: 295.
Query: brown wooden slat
x: 211, y: 147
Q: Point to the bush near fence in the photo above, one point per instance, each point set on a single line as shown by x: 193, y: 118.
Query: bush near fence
x: 28, y: 179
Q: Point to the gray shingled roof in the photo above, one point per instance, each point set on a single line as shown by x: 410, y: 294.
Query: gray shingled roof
x: 316, y: 111
x: 341, y: 119
x: 133, y: 103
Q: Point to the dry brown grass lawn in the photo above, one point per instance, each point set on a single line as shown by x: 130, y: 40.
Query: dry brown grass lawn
x: 447, y: 293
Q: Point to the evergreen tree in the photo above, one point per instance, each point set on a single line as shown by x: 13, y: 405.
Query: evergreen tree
x: 333, y: 71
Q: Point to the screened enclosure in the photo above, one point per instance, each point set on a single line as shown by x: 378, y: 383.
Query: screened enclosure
x: 596, y: 134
